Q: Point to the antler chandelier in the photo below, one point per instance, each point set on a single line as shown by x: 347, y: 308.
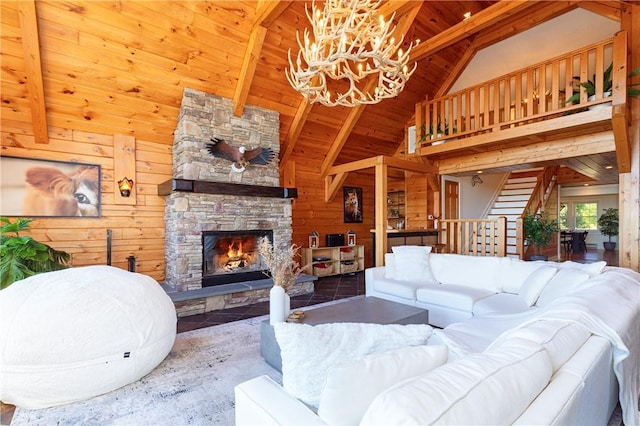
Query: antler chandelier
x: 350, y: 46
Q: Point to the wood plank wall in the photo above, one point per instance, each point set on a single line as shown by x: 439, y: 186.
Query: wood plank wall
x: 137, y: 230
x: 311, y: 213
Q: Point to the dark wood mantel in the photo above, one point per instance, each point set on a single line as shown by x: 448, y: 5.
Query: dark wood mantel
x: 225, y: 188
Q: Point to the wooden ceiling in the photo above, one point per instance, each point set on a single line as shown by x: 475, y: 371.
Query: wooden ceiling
x: 121, y: 67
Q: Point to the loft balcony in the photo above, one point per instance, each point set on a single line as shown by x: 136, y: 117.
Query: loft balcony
x: 541, y: 103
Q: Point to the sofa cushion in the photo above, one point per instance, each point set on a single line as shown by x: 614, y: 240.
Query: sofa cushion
x: 564, y: 282
x: 403, y: 289
x: 412, y: 264
x: 592, y: 269
x: 390, y: 266
x: 352, y: 385
x: 556, y: 405
x: 560, y: 338
x: 471, y: 271
x: 512, y: 273
x: 504, y: 303
x: 493, y: 387
x: 535, y: 283
x: 452, y: 296
x: 309, y: 351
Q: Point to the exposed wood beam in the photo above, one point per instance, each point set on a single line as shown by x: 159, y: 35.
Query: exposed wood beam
x: 404, y: 23
x: 302, y: 113
x: 609, y: 9
x: 544, y: 151
x: 619, y: 115
x: 433, y: 182
x: 247, y: 72
x: 536, y: 15
x: 497, y: 12
x: 411, y: 166
x: 33, y: 65
x: 343, y: 134
x: 450, y: 80
x: 393, y: 162
x: 628, y: 203
x: 332, y: 184
x: 380, y: 203
x: 399, y: 7
x: 266, y: 13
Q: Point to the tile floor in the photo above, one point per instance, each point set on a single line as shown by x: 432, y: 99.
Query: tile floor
x: 326, y: 289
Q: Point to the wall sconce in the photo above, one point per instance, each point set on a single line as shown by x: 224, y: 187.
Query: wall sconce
x: 125, y: 186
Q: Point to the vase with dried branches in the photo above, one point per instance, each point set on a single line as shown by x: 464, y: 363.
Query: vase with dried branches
x: 283, y: 268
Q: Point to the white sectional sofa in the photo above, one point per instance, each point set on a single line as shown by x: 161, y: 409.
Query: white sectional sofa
x: 455, y: 287
x: 527, y: 342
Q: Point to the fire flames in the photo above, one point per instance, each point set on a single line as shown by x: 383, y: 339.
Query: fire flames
x: 237, y: 257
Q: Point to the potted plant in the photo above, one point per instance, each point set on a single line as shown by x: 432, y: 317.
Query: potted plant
x: 538, y: 232
x: 608, y: 224
x: 21, y: 256
x: 607, y: 84
x: 438, y: 132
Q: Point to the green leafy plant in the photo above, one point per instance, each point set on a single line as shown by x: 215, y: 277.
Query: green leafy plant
x: 21, y: 256
x: 607, y: 84
x: 538, y: 230
x: 609, y: 222
x: 439, y: 130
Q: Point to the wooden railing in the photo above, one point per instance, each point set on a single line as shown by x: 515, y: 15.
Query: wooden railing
x: 532, y: 94
x: 537, y: 199
x: 476, y: 237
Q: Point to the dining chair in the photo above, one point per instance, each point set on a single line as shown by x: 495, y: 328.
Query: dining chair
x: 565, y: 240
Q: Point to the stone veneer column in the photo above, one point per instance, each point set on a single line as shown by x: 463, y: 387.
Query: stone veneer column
x: 202, y: 117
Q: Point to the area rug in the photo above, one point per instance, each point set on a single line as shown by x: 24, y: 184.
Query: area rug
x: 192, y: 386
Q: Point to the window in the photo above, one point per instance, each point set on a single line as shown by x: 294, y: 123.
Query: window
x: 563, y: 216
x: 586, y: 215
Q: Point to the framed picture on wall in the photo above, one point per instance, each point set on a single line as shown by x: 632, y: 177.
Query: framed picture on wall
x: 352, y: 204
x: 44, y: 188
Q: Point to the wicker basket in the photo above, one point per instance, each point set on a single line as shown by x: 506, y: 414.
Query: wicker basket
x: 347, y: 254
x: 347, y: 267
x: 322, y: 269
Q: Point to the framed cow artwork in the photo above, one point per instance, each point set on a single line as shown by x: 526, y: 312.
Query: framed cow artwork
x: 45, y: 188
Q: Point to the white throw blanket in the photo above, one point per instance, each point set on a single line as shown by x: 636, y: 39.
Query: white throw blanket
x: 608, y: 307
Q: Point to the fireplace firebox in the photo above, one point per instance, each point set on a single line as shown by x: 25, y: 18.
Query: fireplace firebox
x: 232, y: 256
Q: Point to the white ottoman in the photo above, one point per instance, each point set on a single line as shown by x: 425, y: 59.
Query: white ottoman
x: 73, y: 334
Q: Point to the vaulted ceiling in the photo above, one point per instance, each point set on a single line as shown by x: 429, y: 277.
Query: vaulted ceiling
x: 121, y: 66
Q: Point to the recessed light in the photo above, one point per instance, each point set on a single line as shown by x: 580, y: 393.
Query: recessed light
x: 586, y: 184
x: 608, y: 167
x: 467, y: 15
x: 479, y: 172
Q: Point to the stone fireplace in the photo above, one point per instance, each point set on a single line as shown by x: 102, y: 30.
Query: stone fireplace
x: 206, y: 196
x: 232, y: 256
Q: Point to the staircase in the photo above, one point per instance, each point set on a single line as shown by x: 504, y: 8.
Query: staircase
x: 515, y: 196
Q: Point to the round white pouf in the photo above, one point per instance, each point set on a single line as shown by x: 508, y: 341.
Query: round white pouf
x: 73, y: 334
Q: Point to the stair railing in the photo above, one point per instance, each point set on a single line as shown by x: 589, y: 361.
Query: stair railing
x: 537, y: 200
x: 475, y: 237
x: 536, y: 203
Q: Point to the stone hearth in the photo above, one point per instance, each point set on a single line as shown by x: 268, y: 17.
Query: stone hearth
x: 189, y: 213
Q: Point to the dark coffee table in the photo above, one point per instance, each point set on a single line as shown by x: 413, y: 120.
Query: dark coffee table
x: 370, y: 310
